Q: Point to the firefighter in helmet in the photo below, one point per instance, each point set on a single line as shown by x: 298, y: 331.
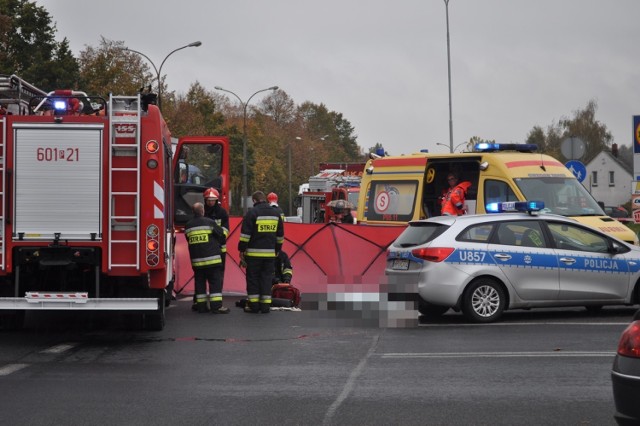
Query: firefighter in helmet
x: 213, y: 210
x: 342, y: 211
x: 272, y: 199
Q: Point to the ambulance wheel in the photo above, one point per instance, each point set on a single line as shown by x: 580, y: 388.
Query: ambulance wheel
x: 483, y: 301
x: 155, y: 321
x: 429, y: 310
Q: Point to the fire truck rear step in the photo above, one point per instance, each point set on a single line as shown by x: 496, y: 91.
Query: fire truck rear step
x: 88, y: 304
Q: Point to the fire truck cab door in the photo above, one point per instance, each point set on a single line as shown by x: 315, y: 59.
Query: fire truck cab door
x: 199, y: 163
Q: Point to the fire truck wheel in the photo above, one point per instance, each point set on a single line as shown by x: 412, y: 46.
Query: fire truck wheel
x: 155, y: 321
x: 168, y: 294
x: 12, y: 320
x: 133, y: 321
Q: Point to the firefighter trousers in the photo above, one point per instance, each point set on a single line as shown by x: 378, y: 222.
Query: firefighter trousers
x: 223, y: 256
x: 213, y: 276
x: 259, y: 273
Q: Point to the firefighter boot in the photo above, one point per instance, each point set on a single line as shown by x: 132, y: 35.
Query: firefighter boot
x: 202, y: 307
x: 252, y: 308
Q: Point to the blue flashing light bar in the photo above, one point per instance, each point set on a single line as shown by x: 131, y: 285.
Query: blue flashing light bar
x: 515, y: 206
x: 59, y: 105
x: 493, y: 147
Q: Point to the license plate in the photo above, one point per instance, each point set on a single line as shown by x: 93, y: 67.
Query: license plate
x: 400, y: 264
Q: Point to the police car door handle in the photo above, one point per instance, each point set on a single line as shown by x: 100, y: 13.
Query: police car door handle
x: 503, y: 256
x: 568, y: 260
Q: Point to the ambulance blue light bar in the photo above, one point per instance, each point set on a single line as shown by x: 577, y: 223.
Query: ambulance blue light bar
x: 493, y: 147
x: 515, y: 206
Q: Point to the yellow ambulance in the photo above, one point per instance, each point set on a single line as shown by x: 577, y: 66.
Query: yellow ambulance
x: 397, y: 189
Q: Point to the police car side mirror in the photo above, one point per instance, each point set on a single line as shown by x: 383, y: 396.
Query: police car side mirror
x: 615, y: 248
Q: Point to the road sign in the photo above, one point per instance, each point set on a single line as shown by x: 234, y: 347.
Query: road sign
x: 572, y: 148
x: 578, y: 169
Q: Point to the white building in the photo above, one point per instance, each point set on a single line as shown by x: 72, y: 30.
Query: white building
x: 609, y: 179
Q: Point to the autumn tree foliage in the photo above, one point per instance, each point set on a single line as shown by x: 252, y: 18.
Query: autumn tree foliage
x: 110, y: 68
x: 583, y: 124
x: 28, y: 47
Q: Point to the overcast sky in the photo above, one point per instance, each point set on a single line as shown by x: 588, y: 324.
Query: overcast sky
x: 383, y: 64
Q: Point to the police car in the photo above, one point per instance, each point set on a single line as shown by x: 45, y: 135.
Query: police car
x: 483, y: 265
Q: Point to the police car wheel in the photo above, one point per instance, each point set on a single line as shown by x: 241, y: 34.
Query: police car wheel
x: 483, y: 301
x: 431, y: 311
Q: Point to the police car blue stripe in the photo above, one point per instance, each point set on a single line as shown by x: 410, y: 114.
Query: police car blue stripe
x: 519, y: 259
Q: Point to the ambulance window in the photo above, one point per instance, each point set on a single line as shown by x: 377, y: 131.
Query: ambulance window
x: 392, y: 201
x: 498, y: 191
x: 561, y: 195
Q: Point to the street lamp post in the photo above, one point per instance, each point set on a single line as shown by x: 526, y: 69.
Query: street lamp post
x: 454, y: 149
x: 244, y: 139
x: 159, y: 70
x: 298, y: 138
x: 446, y: 4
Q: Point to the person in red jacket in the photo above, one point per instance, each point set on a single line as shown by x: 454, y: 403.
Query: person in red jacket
x: 453, y: 198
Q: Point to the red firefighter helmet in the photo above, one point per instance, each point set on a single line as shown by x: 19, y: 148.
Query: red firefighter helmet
x: 272, y: 198
x: 211, y: 193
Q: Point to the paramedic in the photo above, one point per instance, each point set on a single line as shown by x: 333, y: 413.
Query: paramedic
x: 260, y: 242
x: 453, y: 198
x: 205, y: 238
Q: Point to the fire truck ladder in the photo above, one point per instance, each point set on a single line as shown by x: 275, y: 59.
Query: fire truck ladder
x: 124, y: 119
x: 3, y: 178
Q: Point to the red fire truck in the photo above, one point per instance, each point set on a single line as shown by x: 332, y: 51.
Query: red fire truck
x: 335, y: 181
x: 91, y: 193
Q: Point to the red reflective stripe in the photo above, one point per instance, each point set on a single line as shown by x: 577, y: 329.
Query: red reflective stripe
x: 529, y: 163
x: 399, y: 162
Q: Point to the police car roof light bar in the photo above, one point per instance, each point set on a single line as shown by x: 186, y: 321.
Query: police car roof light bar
x: 515, y: 206
x: 493, y: 147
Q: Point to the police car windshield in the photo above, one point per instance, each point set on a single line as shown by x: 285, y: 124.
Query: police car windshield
x: 561, y: 195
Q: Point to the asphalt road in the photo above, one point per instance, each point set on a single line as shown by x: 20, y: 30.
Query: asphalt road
x: 310, y: 368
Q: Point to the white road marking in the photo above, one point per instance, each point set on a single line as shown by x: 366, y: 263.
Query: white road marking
x: 348, y: 387
x: 11, y: 368
x: 549, y: 354
x: 510, y: 324
x: 58, y: 349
